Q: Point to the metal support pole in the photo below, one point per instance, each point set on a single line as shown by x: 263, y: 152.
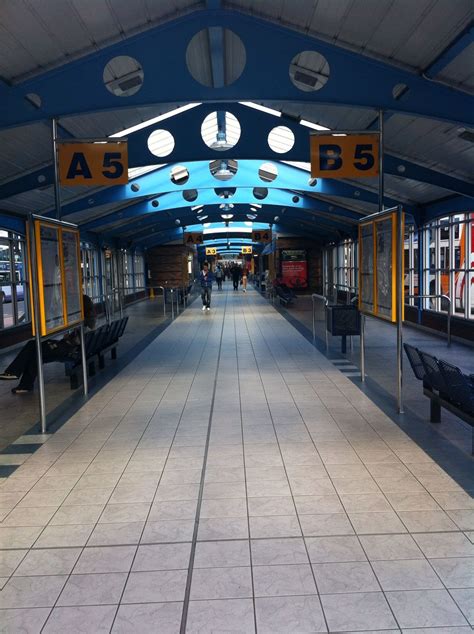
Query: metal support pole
x: 37, y: 323
x: 57, y: 191
x: 314, y: 321
x: 399, y: 298
x: 362, y: 347
x: 84, y: 361
x: 381, y: 174
x: 172, y: 304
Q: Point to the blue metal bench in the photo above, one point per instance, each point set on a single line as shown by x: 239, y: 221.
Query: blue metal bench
x: 445, y: 385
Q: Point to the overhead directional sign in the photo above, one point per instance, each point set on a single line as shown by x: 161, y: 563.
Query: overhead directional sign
x: 246, y: 250
x: 192, y: 239
x: 346, y: 156
x: 93, y: 163
x: 211, y: 251
x: 261, y: 236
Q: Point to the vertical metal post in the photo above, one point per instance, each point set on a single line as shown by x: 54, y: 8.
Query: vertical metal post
x: 84, y: 361
x: 452, y: 280
x: 381, y: 174
x: 172, y: 304
x: 450, y: 314
x: 362, y: 347
x: 37, y: 322
x: 13, y: 283
x: 399, y: 299
x: 314, y: 325
x: 57, y: 191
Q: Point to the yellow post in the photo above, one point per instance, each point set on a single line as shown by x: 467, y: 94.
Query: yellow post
x: 152, y: 293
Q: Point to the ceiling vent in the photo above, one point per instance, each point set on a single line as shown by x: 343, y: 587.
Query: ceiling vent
x: 309, y: 78
x: 125, y: 84
x: 467, y: 135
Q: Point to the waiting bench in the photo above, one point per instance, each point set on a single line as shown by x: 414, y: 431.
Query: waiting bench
x: 445, y: 385
x: 97, y: 343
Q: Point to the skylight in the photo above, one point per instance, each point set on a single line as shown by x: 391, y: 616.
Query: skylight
x: 134, y: 172
x: 161, y: 117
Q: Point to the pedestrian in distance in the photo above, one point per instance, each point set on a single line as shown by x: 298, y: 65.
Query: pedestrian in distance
x: 219, y: 277
x: 206, y: 278
x: 245, y: 275
x: 236, y: 273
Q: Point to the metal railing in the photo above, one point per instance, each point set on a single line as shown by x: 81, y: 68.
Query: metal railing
x: 347, y: 289
x: 450, y: 311
x: 314, y: 297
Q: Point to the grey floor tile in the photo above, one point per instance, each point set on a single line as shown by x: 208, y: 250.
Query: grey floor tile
x: 223, y: 528
x: 270, y: 506
x: 9, y: 560
x: 144, y: 618
x: 92, y: 589
x: 219, y: 554
x: 14, y: 537
x: 278, y: 551
x: 168, y: 531
x: 155, y: 587
x: 67, y: 515
x: 221, y: 583
x: 162, y: 557
x: 425, y: 608
x: 407, y: 574
x: 173, y: 510
x: 217, y: 616
x: 427, y: 521
x: 117, y: 534
x: 31, y: 592
x: 64, y: 536
x: 25, y: 620
x: 387, y: 547
x: 91, y: 618
x: 283, y: 580
x: 105, y: 559
x: 234, y: 507
x: 444, y: 545
x: 116, y: 513
x: 362, y: 611
x: 456, y: 572
x: 318, y: 504
x: 373, y: 523
x: 289, y: 614
x: 50, y: 561
x: 275, y: 526
x: 326, y: 525
x: 345, y: 577
x: 465, y: 601
x: 334, y: 549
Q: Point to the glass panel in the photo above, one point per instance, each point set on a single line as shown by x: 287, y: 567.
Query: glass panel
x: 367, y: 268
x: 384, y: 267
x: 52, y: 283
x: 71, y: 273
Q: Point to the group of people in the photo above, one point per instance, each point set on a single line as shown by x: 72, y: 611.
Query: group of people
x: 237, y: 273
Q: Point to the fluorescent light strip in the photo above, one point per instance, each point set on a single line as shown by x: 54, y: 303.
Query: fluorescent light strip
x: 161, y: 117
x: 256, y: 106
x: 314, y: 126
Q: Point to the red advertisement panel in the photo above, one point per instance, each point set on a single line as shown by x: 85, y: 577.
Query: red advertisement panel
x: 295, y: 273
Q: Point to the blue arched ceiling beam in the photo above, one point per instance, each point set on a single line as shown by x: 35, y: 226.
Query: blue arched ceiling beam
x: 159, y: 182
x: 77, y: 87
x: 455, y: 48
x: 253, y: 142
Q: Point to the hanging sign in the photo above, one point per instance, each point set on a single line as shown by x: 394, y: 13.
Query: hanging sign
x: 192, y: 239
x: 246, y: 250
x: 211, y: 251
x: 93, y: 163
x: 348, y: 156
x: 261, y: 236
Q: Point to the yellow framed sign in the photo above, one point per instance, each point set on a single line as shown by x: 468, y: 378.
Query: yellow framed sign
x: 192, y: 239
x: 93, y: 163
x: 344, y: 156
x: 58, y: 266
x: 246, y: 250
x: 378, y: 253
x: 211, y: 251
x: 262, y: 236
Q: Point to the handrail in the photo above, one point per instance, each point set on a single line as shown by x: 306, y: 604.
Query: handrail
x: 450, y: 311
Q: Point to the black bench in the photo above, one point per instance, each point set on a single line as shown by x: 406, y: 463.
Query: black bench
x: 97, y: 343
x: 286, y: 299
x: 445, y: 385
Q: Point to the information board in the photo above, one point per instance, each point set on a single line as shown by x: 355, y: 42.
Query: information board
x: 211, y: 251
x: 192, y: 239
x: 378, y: 266
x: 344, y: 156
x: 58, y: 267
x: 246, y: 250
x: 262, y: 236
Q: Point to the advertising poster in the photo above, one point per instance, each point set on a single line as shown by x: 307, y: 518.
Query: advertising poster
x: 71, y: 275
x: 384, y: 267
x: 366, y: 273
x: 51, y: 277
x: 294, y: 268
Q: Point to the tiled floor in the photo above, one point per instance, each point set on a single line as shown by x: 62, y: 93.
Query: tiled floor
x: 231, y: 479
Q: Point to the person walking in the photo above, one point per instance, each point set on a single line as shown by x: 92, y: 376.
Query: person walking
x: 245, y: 275
x: 206, y: 278
x: 236, y: 272
x: 219, y: 277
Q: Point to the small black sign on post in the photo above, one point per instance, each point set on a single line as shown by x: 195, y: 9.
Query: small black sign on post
x: 343, y: 321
